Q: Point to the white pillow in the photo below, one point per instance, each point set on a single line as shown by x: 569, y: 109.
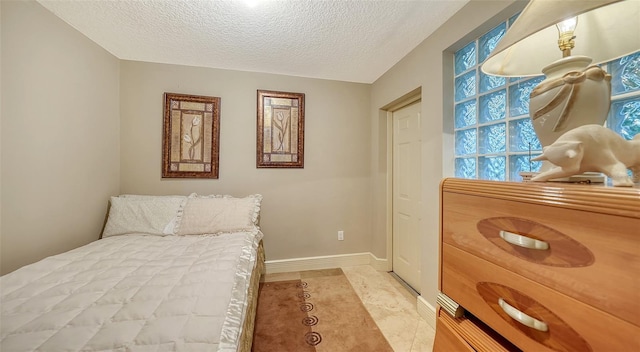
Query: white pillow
x: 170, y: 229
x: 219, y: 214
x: 154, y: 215
x: 148, y: 197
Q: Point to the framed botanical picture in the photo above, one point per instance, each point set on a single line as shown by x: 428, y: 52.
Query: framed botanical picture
x: 191, y: 136
x: 280, y: 137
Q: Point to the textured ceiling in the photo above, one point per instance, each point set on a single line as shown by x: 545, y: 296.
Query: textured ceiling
x: 344, y: 40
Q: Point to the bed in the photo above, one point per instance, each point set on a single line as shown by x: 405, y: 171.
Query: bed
x: 170, y: 273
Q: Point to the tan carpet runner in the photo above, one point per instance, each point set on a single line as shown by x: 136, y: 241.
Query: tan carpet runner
x: 321, y: 312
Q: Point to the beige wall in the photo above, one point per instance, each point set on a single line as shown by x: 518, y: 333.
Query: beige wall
x: 60, y: 135
x: 428, y: 66
x: 302, y: 208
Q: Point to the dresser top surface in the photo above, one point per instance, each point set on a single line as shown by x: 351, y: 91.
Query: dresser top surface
x: 622, y: 201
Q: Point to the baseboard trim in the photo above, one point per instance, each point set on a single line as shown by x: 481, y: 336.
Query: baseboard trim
x: 317, y: 263
x: 379, y: 264
x: 426, y: 311
x: 326, y: 262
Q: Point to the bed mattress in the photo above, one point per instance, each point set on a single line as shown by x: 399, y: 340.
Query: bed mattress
x: 132, y: 293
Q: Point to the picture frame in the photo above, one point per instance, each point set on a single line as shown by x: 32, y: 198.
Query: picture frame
x: 280, y: 130
x: 191, y: 136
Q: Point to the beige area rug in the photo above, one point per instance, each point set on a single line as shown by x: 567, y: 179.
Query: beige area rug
x: 320, y: 312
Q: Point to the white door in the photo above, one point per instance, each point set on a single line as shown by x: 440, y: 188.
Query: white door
x: 406, y: 194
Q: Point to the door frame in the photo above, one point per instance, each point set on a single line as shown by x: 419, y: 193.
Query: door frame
x: 406, y: 100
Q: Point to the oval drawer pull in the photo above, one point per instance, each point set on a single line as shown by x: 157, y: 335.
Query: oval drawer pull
x: 523, y: 241
x: 521, y: 317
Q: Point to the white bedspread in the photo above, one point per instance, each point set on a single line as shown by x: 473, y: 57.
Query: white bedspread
x: 132, y: 293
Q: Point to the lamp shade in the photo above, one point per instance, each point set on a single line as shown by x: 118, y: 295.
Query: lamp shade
x: 606, y: 30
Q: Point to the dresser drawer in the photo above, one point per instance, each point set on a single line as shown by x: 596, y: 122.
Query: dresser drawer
x: 467, y: 334
x: 447, y: 339
x: 477, y: 285
x: 592, y: 257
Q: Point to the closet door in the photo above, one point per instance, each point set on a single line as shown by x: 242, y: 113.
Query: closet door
x: 407, y: 194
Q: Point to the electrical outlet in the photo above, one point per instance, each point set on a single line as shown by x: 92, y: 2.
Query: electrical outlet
x: 340, y: 235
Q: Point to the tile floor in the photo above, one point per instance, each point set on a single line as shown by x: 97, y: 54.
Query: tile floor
x: 390, y: 304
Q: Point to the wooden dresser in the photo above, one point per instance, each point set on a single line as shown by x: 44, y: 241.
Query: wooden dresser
x: 538, y: 267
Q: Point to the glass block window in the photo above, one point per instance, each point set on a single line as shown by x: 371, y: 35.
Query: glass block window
x: 466, y: 58
x: 493, y: 106
x: 466, y: 114
x: 466, y: 86
x: 624, y: 114
x: 494, y: 137
x: 489, y: 41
